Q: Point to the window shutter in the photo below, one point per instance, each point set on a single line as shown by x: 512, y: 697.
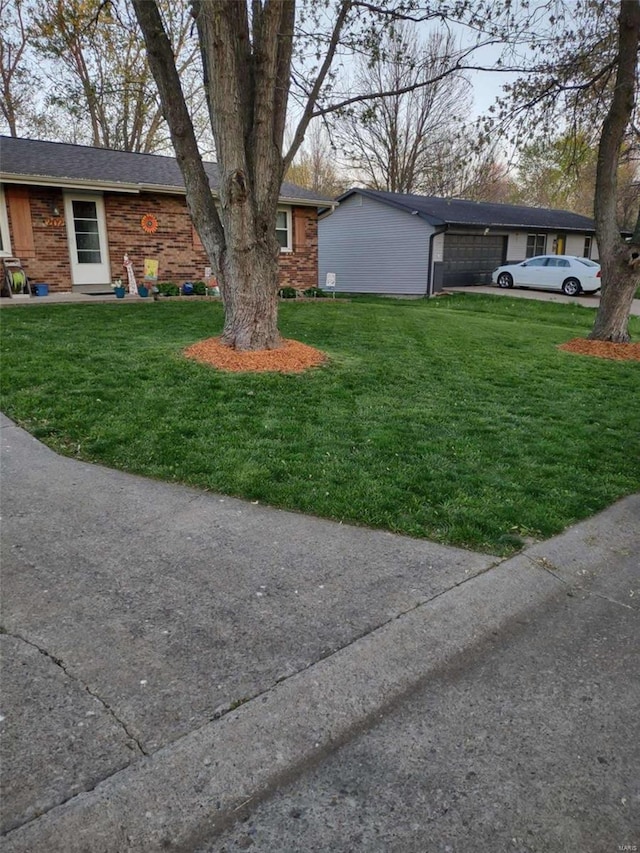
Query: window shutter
x: 299, y: 229
x: 20, y: 213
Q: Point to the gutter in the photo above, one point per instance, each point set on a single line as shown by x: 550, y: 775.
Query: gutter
x: 88, y: 185
x: 66, y: 183
x: 429, y: 292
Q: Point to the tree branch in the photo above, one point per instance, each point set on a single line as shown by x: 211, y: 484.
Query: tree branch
x: 309, y: 113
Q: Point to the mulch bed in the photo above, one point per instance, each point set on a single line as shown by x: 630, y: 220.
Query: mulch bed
x: 294, y: 357
x: 603, y: 349
x: 291, y: 357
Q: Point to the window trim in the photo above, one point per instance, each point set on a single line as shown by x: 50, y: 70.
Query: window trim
x: 536, y: 236
x: 288, y: 249
x: 5, y: 252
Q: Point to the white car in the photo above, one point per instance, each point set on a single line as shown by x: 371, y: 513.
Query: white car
x: 567, y: 273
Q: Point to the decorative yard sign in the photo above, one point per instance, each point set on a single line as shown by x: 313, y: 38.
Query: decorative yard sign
x: 127, y: 263
x: 330, y: 283
x: 150, y: 270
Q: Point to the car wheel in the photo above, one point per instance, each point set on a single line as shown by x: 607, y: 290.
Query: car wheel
x: 571, y: 287
x: 505, y: 280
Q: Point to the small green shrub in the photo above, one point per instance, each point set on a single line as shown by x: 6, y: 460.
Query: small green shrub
x: 168, y: 288
x: 315, y: 293
x: 199, y: 288
x: 287, y: 293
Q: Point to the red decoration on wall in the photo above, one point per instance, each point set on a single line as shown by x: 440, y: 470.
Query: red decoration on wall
x: 149, y: 223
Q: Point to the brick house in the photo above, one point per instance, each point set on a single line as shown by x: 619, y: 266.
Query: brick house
x: 71, y: 212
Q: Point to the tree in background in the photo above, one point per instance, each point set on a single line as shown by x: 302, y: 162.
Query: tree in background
x: 558, y: 173
x: 103, y: 80
x: 409, y: 140
x: 76, y: 70
x: 314, y: 167
x: 486, y: 177
x: 561, y: 173
x: 18, y: 85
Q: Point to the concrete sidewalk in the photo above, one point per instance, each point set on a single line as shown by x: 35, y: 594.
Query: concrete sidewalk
x: 171, y: 656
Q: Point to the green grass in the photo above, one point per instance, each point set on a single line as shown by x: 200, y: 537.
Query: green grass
x: 455, y: 419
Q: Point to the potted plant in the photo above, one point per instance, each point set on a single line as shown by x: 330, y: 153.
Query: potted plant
x: 118, y: 288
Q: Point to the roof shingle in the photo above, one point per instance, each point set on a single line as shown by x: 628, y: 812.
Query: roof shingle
x: 453, y: 211
x: 59, y: 160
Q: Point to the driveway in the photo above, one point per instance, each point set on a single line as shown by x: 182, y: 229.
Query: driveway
x: 172, y: 658
x: 541, y: 295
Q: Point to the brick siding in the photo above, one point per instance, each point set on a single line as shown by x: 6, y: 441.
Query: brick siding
x: 49, y: 259
x: 179, y: 252
x: 299, y: 268
x: 172, y: 245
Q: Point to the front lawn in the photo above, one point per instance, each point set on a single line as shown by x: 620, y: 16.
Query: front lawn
x: 455, y: 419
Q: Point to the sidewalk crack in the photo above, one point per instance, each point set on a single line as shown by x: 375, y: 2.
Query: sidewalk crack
x: 547, y: 566
x: 225, y: 709
x: 61, y: 665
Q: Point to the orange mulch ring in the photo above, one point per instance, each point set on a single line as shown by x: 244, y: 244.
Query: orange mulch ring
x: 291, y: 357
x: 603, y: 349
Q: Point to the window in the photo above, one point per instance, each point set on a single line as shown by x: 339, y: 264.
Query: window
x: 558, y: 262
x: 5, y: 242
x: 587, y: 248
x: 536, y: 244
x: 283, y: 229
x: 537, y: 262
x: 85, y: 222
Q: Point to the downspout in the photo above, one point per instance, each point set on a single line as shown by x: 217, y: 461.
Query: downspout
x: 430, y: 269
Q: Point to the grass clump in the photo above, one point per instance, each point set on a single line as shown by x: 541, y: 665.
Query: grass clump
x: 456, y: 419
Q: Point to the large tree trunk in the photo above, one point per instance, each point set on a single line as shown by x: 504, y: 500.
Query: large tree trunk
x: 620, y: 270
x: 246, y: 64
x: 248, y: 277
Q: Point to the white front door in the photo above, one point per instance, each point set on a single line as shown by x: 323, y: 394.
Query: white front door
x: 87, y: 235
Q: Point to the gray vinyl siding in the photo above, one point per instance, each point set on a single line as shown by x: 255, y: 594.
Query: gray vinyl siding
x: 374, y: 248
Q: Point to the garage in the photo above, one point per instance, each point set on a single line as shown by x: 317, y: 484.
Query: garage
x: 471, y: 258
x: 410, y: 245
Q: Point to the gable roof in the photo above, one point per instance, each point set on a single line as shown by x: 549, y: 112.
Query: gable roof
x: 80, y: 166
x: 454, y: 211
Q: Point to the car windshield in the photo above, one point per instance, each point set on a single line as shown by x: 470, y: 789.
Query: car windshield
x: 587, y: 262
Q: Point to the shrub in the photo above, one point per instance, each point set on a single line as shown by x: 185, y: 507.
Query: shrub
x: 287, y: 293
x: 199, y: 288
x: 168, y: 288
x: 315, y: 293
